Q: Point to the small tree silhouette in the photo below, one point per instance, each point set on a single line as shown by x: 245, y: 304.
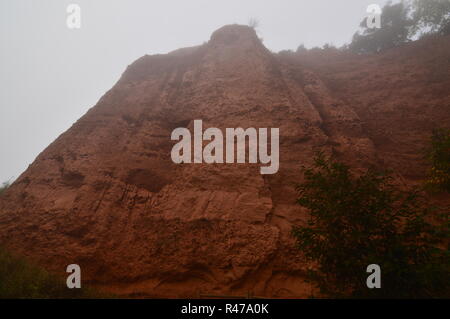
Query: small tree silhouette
x: 253, y: 23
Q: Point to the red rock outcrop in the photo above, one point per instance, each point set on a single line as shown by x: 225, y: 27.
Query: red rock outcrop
x: 107, y: 196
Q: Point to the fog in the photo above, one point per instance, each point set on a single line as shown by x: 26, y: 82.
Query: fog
x: 51, y: 75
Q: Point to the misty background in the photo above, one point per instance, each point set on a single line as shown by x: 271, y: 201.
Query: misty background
x: 51, y: 75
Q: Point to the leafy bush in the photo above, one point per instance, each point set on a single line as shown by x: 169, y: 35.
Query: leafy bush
x: 439, y: 155
x: 356, y: 221
x: 20, y: 279
x: 431, y: 16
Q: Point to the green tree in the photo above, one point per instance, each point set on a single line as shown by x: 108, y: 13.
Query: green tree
x: 431, y: 16
x: 360, y: 220
x: 395, y: 28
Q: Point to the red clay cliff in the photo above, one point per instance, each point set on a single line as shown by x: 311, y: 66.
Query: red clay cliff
x: 107, y: 196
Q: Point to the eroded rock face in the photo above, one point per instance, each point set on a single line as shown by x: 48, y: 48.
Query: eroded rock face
x: 107, y: 196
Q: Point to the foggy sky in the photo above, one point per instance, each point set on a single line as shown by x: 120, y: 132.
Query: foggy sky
x: 51, y: 75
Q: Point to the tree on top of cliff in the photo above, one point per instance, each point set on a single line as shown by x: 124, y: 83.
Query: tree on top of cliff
x: 253, y: 23
x: 356, y: 221
x: 402, y: 22
x: 431, y: 16
x: 395, y: 28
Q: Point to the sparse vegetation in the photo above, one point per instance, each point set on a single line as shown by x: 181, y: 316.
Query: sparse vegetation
x: 21, y: 279
x: 4, y: 186
x: 439, y: 156
x: 253, y: 23
x: 360, y: 220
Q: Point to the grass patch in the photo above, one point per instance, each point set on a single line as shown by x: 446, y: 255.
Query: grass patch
x: 21, y: 279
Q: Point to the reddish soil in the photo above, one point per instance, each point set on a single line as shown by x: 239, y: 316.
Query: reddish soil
x: 106, y: 195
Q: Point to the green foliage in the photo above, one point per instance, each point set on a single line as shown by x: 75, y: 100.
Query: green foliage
x: 356, y: 221
x: 431, y: 16
x: 20, y: 279
x: 439, y: 155
x: 395, y: 25
x: 402, y: 22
